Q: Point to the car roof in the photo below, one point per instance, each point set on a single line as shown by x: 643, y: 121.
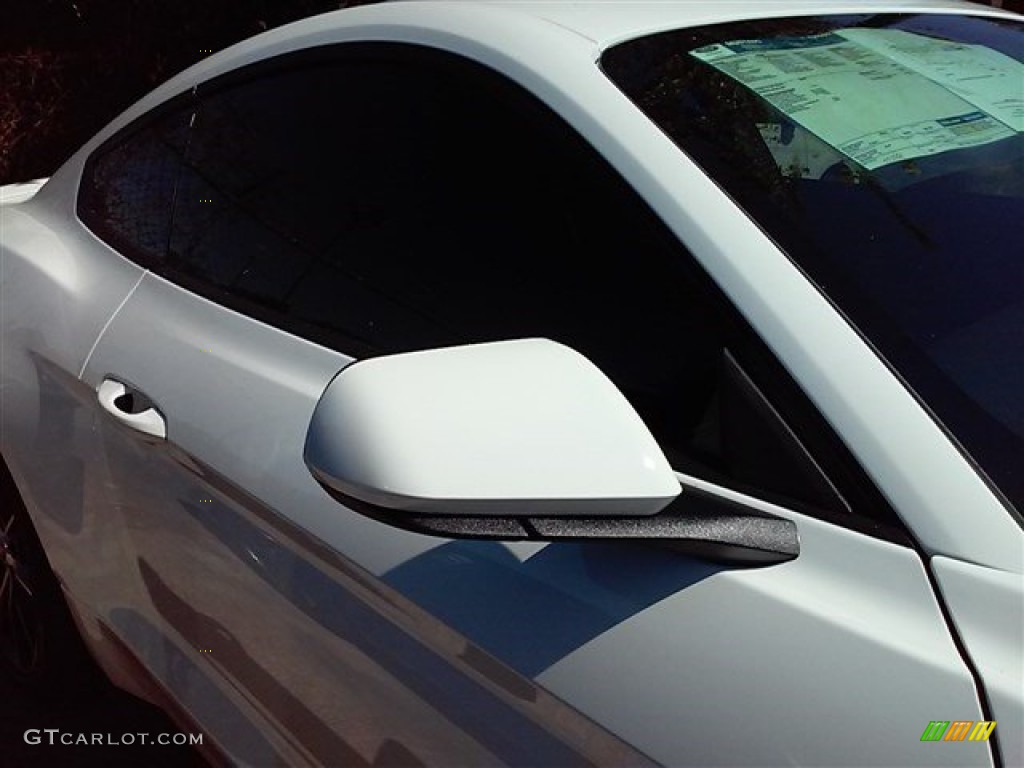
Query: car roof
x: 606, y: 22
x: 553, y: 34
x: 512, y: 26
x: 555, y: 31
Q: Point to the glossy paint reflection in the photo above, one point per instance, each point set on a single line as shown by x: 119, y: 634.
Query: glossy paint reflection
x: 532, y: 613
x: 469, y: 690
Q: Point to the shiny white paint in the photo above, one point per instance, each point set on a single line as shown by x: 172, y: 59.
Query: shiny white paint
x: 241, y: 395
x: 51, y: 288
x: 987, y: 606
x: 725, y: 665
x: 506, y: 428
x: 607, y: 22
x: 19, y: 193
x: 833, y: 659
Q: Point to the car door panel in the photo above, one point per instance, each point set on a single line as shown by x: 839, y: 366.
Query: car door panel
x: 237, y: 395
x: 312, y: 612
x: 256, y: 575
x: 842, y: 651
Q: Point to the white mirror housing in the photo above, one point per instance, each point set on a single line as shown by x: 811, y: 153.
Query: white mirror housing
x: 512, y: 428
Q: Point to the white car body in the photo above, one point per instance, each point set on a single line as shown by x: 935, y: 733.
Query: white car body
x: 840, y: 656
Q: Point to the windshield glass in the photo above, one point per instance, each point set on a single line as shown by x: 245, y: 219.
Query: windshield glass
x: 885, y: 155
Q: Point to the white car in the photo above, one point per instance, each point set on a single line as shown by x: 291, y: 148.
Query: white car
x: 471, y: 383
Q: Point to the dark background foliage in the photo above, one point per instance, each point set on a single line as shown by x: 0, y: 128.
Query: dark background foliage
x: 67, y: 67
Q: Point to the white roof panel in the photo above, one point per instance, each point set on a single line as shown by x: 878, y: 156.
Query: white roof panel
x: 610, y: 21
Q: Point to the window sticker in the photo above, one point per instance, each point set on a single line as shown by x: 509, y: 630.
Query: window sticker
x: 991, y: 81
x: 880, y: 98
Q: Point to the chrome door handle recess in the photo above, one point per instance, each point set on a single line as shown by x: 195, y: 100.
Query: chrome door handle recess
x: 131, y: 408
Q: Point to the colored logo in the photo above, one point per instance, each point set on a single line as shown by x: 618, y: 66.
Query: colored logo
x: 958, y: 730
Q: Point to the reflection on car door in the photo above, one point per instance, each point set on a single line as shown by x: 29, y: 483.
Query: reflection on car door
x: 252, y: 620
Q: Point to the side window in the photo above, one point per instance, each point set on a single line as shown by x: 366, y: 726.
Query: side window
x: 128, y: 186
x: 299, y: 189
x: 389, y: 200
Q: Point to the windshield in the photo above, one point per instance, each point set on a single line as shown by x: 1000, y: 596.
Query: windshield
x: 884, y: 154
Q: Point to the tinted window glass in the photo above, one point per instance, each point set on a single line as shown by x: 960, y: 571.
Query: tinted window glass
x: 128, y: 186
x: 382, y: 204
x: 300, y: 194
x: 885, y: 155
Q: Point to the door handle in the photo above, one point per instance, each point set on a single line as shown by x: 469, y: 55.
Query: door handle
x: 131, y: 408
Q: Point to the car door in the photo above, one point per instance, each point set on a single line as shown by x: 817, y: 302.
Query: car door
x: 362, y: 200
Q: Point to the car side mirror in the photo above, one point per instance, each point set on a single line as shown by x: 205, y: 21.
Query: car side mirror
x: 522, y: 439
